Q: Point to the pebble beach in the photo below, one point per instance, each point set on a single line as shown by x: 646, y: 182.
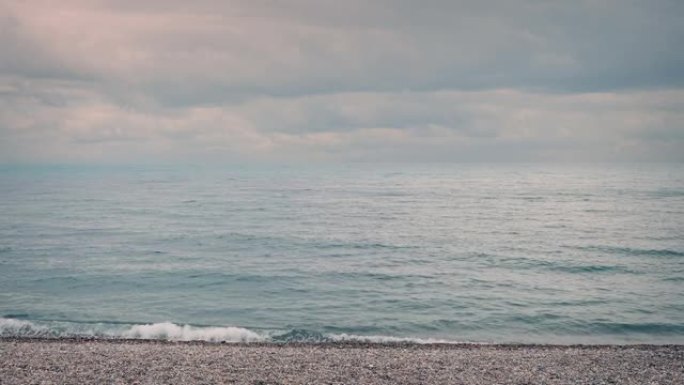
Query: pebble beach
x: 64, y: 361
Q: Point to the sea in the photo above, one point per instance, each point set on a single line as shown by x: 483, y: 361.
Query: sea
x: 451, y: 253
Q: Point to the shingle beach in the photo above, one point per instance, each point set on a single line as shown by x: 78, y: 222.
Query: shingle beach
x: 27, y: 361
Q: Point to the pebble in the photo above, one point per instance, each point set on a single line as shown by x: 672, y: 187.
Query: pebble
x: 25, y: 361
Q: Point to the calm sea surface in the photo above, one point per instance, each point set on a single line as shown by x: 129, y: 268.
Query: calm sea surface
x: 480, y: 253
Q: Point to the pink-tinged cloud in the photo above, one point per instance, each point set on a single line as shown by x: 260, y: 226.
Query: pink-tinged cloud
x: 123, y: 81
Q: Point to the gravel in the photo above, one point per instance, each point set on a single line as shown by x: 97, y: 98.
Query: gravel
x: 28, y: 361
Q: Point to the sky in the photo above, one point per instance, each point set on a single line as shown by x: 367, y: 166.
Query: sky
x: 121, y: 81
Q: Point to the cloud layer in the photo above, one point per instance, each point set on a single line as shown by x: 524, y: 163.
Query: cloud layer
x: 117, y: 81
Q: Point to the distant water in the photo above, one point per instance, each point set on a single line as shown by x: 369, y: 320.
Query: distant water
x: 478, y: 253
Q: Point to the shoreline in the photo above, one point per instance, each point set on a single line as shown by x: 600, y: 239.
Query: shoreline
x: 343, y: 343
x: 79, y: 360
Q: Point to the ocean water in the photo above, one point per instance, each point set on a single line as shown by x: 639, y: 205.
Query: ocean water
x: 438, y: 252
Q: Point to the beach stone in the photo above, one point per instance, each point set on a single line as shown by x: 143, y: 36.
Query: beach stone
x: 25, y: 361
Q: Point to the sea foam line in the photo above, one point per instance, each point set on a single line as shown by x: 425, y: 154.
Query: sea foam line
x: 10, y: 327
x: 388, y: 339
x: 173, y: 332
x: 168, y: 331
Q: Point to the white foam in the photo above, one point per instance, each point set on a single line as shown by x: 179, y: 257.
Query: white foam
x: 10, y: 327
x: 388, y: 339
x: 173, y: 332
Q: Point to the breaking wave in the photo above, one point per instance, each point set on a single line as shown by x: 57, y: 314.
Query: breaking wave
x: 10, y: 327
x: 173, y: 332
x: 168, y: 331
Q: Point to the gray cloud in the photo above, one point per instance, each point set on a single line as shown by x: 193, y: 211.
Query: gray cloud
x: 330, y: 80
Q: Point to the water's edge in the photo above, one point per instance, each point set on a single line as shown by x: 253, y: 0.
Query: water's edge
x: 348, y: 344
x: 168, y: 331
x: 19, y: 329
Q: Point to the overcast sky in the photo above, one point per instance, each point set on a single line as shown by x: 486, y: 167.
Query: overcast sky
x: 99, y: 81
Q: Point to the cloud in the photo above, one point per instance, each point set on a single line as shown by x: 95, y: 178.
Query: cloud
x: 387, y: 80
x: 436, y: 125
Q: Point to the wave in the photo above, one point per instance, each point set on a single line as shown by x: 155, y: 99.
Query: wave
x: 645, y: 327
x: 633, y: 251
x: 592, y: 269
x: 173, y: 332
x: 527, y: 263
x: 10, y: 327
x: 667, y: 193
x: 587, y: 332
x: 392, y: 340
x: 168, y: 331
